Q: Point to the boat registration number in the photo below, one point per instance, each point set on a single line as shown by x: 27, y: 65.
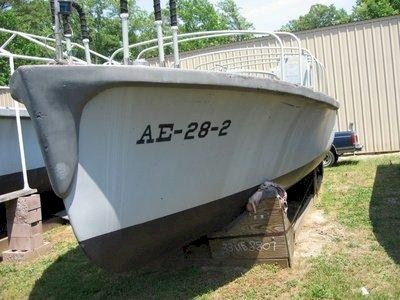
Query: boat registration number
x: 195, y: 130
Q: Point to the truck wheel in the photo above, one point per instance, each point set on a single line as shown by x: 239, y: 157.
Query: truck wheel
x: 330, y: 159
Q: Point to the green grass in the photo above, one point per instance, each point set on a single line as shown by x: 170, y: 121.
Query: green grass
x: 361, y: 201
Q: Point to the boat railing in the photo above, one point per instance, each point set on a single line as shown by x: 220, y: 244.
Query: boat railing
x: 46, y: 43
x: 45, y: 47
x: 274, y: 60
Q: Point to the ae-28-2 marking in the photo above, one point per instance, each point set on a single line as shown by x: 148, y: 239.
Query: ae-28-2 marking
x: 193, y: 130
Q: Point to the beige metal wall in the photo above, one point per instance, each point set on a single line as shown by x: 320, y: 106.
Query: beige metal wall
x: 363, y: 68
x: 363, y: 71
x: 6, y: 99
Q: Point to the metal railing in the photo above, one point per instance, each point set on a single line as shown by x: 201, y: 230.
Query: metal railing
x: 44, y: 43
x: 275, y: 60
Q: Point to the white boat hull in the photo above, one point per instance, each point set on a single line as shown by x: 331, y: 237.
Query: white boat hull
x: 159, y: 163
x: 10, y: 167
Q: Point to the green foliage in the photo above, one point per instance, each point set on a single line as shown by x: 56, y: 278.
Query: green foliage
x: 202, y: 15
x: 234, y: 20
x: 322, y: 15
x: 395, y: 4
x: 328, y: 279
x: 319, y: 16
x: 199, y: 15
x: 33, y: 16
x: 371, y: 9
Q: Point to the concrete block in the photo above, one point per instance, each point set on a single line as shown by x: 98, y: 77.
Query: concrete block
x: 24, y: 230
x: 26, y: 243
x: 24, y: 210
x: 12, y: 256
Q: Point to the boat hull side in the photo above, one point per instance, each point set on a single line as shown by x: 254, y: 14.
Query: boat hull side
x: 56, y: 95
x: 126, y: 146
x: 132, y: 247
x: 134, y: 168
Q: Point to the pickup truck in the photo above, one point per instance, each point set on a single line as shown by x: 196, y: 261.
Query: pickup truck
x: 343, y: 142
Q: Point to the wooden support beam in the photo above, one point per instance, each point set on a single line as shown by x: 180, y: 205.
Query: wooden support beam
x: 262, y: 237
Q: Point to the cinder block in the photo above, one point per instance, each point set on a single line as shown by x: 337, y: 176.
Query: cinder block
x: 24, y: 230
x: 12, y: 256
x: 17, y: 212
x: 34, y: 216
x: 24, y: 210
x: 33, y: 201
x: 24, y: 224
x: 26, y: 243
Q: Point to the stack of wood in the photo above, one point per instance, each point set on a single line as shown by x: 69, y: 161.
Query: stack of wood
x: 264, y: 236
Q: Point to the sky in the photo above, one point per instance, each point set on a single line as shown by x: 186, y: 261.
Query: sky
x: 271, y: 14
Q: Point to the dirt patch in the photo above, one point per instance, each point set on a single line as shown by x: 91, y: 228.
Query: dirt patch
x: 316, y: 233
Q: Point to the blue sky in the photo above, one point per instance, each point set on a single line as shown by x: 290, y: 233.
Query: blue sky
x: 271, y: 14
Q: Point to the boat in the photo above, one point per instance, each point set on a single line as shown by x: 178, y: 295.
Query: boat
x: 28, y: 171
x: 11, y: 177
x: 149, y: 156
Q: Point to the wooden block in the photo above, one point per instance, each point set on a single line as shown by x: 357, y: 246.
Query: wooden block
x: 24, y: 230
x: 290, y: 245
x: 245, y: 262
x: 256, y: 247
x: 265, y: 236
x: 263, y: 223
x: 269, y: 204
x: 26, y: 243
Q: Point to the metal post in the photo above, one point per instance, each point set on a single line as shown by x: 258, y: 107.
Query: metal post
x: 68, y: 45
x: 174, y: 28
x: 20, y: 137
x: 125, y: 37
x: 175, y: 46
x: 160, y: 38
x: 300, y: 67
x: 87, y: 51
x: 57, y: 31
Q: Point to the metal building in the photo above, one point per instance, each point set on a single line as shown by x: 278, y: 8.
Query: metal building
x: 363, y: 72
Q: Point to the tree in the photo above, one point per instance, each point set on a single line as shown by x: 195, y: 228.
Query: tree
x: 33, y: 16
x: 371, y: 9
x: 395, y: 4
x: 322, y: 15
x: 199, y: 15
x: 319, y: 16
x: 231, y: 12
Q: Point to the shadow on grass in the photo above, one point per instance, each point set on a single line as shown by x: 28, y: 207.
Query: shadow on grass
x: 346, y: 163
x: 73, y: 276
x: 384, y: 209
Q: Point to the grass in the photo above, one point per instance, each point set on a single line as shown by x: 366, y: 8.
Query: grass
x: 360, y: 199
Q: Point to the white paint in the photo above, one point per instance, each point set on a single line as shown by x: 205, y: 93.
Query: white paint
x: 9, y: 149
x: 121, y: 184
